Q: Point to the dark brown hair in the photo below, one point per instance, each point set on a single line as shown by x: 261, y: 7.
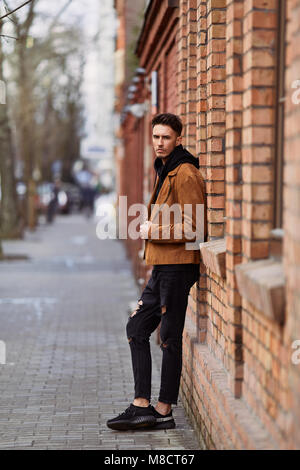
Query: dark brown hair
x: 168, y: 119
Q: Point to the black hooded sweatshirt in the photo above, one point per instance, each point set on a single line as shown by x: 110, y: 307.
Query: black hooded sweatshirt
x: 178, y: 156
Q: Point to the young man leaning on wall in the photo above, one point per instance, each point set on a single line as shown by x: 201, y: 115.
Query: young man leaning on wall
x: 176, y: 217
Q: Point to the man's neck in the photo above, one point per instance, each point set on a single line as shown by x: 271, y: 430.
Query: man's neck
x: 165, y: 159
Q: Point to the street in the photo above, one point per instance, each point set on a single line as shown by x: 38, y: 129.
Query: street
x: 68, y: 368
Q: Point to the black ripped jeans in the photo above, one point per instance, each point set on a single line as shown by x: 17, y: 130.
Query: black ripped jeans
x: 164, y: 299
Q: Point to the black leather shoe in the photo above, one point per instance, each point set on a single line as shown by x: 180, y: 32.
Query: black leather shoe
x: 134, y: 417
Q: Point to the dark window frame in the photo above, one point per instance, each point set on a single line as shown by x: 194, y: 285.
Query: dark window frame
x: 280, y: 110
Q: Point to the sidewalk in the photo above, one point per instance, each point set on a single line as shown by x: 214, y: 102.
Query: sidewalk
x: 63, y: 315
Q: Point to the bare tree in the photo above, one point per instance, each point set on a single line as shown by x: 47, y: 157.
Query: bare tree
x: 60, y: 129
x: 47, y: 114
x: 24, y: 91
x: 10, y: 220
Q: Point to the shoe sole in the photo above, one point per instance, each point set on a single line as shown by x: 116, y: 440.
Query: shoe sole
x: 165, y: 425
x: 139, y: 422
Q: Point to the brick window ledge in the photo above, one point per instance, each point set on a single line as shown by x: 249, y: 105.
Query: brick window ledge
x: 262, y: 283
x: 214, y: 256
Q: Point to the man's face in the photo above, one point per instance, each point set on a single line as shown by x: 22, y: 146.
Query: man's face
x: 165, y: 139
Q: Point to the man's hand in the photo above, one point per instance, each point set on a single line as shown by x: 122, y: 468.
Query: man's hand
x: 144, y: 229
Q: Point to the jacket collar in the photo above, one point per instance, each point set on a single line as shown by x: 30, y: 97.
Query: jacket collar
x: 171, y: 173
x: 174, y: 172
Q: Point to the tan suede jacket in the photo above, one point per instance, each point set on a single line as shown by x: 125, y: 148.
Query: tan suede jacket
x: 173, y: 232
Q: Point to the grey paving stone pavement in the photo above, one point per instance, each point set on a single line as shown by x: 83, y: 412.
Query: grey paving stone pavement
x: 63, y: 314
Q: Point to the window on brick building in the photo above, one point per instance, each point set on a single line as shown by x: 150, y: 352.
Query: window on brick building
x: 279, y: 126
x: 154, y: 92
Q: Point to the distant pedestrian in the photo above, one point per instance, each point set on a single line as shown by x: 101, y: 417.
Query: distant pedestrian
x: 175, y: 270
x: 53, y: 203
x: 85, y: 180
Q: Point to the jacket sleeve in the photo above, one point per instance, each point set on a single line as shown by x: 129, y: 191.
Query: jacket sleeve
x: 186, y: 222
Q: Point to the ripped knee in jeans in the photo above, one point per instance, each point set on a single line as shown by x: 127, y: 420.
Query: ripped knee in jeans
x: 140, y: 303
x: 163, y: 309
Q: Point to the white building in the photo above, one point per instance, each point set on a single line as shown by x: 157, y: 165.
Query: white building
x: 98, y: 89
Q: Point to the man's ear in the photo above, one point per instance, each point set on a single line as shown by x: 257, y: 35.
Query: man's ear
x: 179, y: 140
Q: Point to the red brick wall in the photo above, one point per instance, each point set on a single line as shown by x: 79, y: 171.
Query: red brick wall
x: 215, y: 171
x: 217, y: 63
x: 188, y: 70
x: 264, y: 385
x: 259, y: 62
x: 171, y: 97
x: 200, y: 310
x: 254, y: 351
x: 234, y: 123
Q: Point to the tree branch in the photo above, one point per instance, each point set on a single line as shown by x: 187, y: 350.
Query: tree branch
x: 16, y: 9
x: 30, y: 17
x: 61, y: 11
x: 9, y: 37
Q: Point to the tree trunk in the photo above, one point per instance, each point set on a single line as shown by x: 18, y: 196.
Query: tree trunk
x: 26, y: 129
x: 10, y: 220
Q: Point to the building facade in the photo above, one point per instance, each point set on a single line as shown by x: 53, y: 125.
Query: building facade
x: 128, y: 143
x: 231, y: 70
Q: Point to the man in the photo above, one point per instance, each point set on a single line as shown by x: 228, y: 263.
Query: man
x: 85, y: 180
x: 53, y: 203
x: 175, y: 270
